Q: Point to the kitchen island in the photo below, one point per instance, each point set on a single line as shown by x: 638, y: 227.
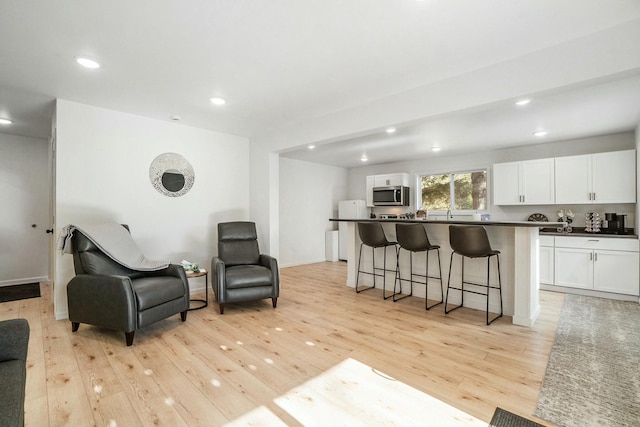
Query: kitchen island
x: 519, y: 262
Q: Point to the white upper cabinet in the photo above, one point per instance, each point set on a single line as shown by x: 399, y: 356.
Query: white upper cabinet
x: 370, y: 185
x: 392, y: 179
x: 573, y: 179
x: 529, y: 182
x: 596, y: 178
x: 614, y: 177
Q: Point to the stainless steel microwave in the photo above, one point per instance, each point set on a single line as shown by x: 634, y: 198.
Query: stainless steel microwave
x: 391, y: 196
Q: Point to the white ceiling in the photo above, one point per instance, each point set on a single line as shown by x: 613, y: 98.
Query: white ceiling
x: 282, y: 63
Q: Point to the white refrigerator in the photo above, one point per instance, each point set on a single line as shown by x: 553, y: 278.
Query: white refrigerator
x: 349, y: 209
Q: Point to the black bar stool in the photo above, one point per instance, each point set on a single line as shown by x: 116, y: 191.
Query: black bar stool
x: 413, y: 238
x: 372, y: 235
x: 472, y: 242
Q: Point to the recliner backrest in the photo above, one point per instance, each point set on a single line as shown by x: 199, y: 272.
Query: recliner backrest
x: 89, y: 259
x: 238, y: 243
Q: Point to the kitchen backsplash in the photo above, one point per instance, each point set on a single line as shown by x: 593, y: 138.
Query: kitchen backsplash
x: 522, y: 213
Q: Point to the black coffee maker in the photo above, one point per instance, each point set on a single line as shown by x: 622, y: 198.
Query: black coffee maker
x: 615, y: 223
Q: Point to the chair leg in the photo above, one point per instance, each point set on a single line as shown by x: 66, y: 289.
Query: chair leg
x: 446, y: 299
x: 499, y: 290
x: 128, y: 336
x: 399, y: 277
x: 488, y: 286
x: 221, y: 308
x: 274, y: 302
x: 75, y: 326
x: 384, y: 274
x: 427, y: 307
x: 358, y: 274
x: 446, y: 302
x: 183, y: 315
x: 440, y: 278
x: 499, y: 284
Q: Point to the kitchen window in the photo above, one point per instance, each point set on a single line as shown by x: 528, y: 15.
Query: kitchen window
x: 458, y: 191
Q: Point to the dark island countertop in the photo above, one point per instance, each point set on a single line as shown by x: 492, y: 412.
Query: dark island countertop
x: 457, y: 222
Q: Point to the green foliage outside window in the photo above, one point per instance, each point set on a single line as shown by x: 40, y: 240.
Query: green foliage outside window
x: 456, y: 191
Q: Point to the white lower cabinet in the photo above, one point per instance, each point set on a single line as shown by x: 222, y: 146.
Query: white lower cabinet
x: 616, y: 272
x: 546, y: 260
x: 575, y: 267
x: 605, y: 264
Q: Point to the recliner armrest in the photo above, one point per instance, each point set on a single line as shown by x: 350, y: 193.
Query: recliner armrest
x: 268, y: 261
x: 173, y: 270
x: 272, y: 264
x: 102, y: 300
x: 218, y: 269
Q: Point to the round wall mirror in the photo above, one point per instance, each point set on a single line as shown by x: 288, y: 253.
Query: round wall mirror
x: 171, y: 174
x: 173, y: 180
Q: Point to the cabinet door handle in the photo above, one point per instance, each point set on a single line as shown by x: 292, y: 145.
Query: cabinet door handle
x: 595, y: 256
x: 591, y: 256
x: 593, y: 240
x: 589, y: 196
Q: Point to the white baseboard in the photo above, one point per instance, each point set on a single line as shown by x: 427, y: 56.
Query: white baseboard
x: 303, y: 262
x: 24, y: 281
x: 61, y: 315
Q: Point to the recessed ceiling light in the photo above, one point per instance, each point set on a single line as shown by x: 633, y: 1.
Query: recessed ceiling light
x: 540, y: 133
x: 390, y: 130
x: 364, y: 159
x: 87, y: 62
x: 435, y: 149
x: 522, y: 102
x: 5, y: 122
x: 218, y: 101
x: 311, y: 147
x: 175, y: 118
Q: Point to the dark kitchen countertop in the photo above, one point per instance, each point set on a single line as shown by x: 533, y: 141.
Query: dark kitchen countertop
x: 579, y: 232
x: 458, y: 222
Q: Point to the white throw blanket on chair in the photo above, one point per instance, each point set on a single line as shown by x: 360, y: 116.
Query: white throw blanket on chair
x: 115, y: 241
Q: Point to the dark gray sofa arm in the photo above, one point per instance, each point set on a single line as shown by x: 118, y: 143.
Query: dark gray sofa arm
x: 102, y: 300
x: 14, y: 339
x: 14, y: 343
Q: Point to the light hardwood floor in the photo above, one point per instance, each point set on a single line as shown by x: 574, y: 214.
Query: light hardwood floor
x: 213, y: 369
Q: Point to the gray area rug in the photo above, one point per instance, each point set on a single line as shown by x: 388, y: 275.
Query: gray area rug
x: 593, y: 374
x: 504, y: 418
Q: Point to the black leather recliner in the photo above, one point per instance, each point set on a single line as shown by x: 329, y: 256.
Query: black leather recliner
x: 106, y: 294
x: 240, y: 272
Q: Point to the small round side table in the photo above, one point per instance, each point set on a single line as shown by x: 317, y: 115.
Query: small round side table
x: 205, y: 273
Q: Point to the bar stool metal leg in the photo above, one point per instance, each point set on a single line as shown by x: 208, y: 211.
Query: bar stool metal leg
x: 499, y: 289
x: 383, y: 269
x: 426, y: 292
x: 446, y: 303
x: 359, y: 271
x: 399, y: 278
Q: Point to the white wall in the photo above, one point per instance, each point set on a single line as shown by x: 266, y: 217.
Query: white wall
x: 485, y: 159
x: 103, y: 160
x: 24, y: 250
x: 309, y: 195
